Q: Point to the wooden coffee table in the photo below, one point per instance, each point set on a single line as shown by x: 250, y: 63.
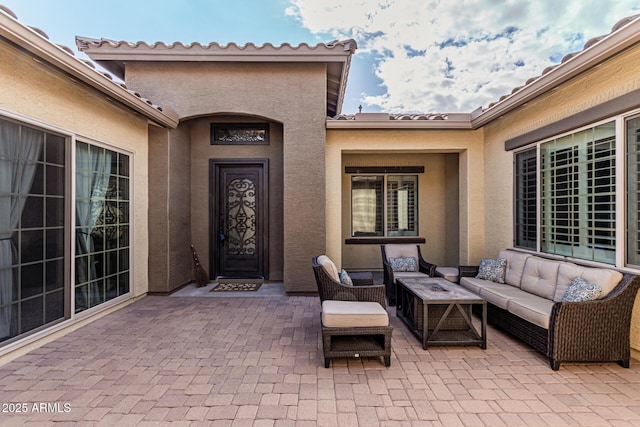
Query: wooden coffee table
x: 438, y: 312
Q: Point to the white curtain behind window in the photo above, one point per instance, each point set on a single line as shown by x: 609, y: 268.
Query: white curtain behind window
x: 364, y: 213
x: 92, y: 180
x: 17, y: 170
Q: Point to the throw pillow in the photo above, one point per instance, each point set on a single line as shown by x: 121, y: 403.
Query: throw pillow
x: 404, y: 264
x: 345, y: 279
x: 580, y: 290
x: 492, y: 269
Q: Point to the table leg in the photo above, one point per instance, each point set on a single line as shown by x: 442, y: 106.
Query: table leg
x: 425, y: 325
x: 484, y: 325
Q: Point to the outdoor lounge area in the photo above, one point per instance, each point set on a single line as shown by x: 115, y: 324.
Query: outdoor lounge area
x: 258, y: 361
x: 119, y: 160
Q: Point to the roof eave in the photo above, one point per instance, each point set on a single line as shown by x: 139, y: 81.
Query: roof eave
x: 110, y: 50
x: 343, y: 84
x: 49, y: 53
x: 112, y: 55
x: 604, y: 49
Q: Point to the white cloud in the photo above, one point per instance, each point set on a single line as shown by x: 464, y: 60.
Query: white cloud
x: 454, y: 56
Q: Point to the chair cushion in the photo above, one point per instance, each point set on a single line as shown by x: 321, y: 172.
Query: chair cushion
x: 515, y: 266
x: 401, y: 251
x: 605, y: 278
x: 500, y: 294
x: 404, y: 264
x: 329, y: 267
x: 532, y: 308
x: 353, y: 314
x: 540, y: 277
x: 449, y: 273
x: 473, y: 284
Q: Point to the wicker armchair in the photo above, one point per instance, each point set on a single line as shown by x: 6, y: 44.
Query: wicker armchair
x: 392, y: 250
x: 351, y: 341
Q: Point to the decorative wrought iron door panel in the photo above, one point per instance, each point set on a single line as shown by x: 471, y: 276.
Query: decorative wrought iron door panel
x: 240, y: 211
x: 239, y: 218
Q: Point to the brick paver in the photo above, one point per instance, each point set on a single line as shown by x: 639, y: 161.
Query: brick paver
x: 258, y: 361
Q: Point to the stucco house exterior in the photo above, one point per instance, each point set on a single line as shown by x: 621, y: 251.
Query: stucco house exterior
x: 106, y: 178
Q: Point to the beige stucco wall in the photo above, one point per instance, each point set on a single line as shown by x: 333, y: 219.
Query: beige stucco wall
x: 610, y: 80
x: 169, y: 221
x: 158, y: 205
x: 441, y: 152
x: 35, y: 94
x: 293, y: 95
x: 34, y: 91
x: 434, y: 192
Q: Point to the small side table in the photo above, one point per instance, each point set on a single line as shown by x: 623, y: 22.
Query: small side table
x: 449, y: 273
x: 361, y: 278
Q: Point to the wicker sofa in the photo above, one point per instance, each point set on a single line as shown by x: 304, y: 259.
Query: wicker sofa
x: 355, y: 322
x: 530, y: 306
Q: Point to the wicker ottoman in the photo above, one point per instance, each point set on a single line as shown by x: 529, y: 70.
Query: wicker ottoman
x: 355, y: 329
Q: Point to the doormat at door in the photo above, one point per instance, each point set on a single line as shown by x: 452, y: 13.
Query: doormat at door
x: 238, y: 285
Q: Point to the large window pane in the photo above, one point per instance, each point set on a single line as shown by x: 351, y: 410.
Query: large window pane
x: 402, y: 209
x: 367, y: 205
x: 102, y: 216
x: 633, y: 191
x: 32, y: 246
x: 384, y: 205
x: 577, y: 181
x: 526, y: 199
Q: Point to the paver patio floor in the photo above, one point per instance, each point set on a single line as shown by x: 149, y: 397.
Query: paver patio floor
x: 258, y: 362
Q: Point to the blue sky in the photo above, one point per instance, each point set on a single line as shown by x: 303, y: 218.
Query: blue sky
x: 437, y: 56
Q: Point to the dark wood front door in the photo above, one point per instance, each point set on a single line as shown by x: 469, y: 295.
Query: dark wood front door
x: 239, y: 223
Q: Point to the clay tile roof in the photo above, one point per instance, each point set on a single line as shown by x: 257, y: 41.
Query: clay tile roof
x: 8, y: 11
x: 87, y: 43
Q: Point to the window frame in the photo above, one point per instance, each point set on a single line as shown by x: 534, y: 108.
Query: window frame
x: 623, y: 182
x: 384, y: 173
x: 231, y: 127
x: 70, y: 317
x: 127, y: 295
x: 621, y: 195
x: 24, y: 122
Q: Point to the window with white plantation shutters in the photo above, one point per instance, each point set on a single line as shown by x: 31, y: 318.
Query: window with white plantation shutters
x: 601, y: 199
x: 577, y: 202
x: 402, y: 208
x: 384, y: 205
x: 526, y: 199
x: 633, y: 191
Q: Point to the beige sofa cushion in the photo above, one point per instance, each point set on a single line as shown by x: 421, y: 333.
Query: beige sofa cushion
x: 401, y: 251
x: 329, y: 267
x: 603, y: 277
x: 500, y: 295
x: 473, y: 284
x: 534, y: 309
x: 515, y: 266
x: 350, y: 314
x: 540, y: 277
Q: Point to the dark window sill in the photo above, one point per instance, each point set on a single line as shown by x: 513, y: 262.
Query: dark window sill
x: 383, y: 240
